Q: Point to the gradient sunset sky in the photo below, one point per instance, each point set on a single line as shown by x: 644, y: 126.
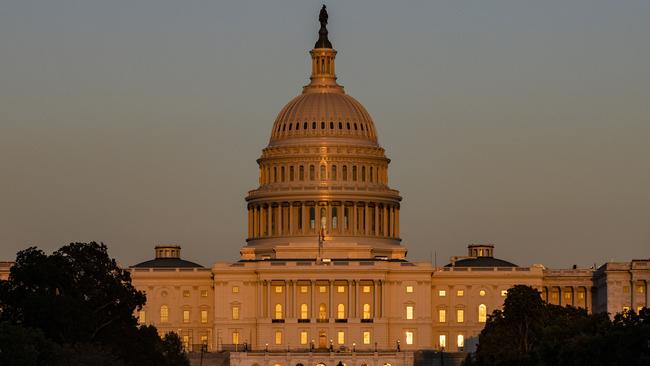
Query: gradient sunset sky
x: 136, y: 122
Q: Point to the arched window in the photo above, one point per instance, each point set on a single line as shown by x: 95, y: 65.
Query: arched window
x: 304, y: 311
x: 322, y: 311
x: 297, y: 126
x: 323, y: 218
x: 333, y: 177
x: 283, y: 175
x: 291, y: 174
x: 278, y: 311
x: 460, y: 341
x: 340, y: 126
x: 331, y: 125
x: 363, y: 173
x: 275, y: 174
x: 355, y: 126
x: 312, y: 172
x: 366, y: 311
x: 323, y: 172
x: 301, y: 173
x: 290, y: 124
x: 322, y: 125
x: 361, y: 126
x: 482, y: 313
x: 345, y: 172
x: 164, y: 314
x: 312, y: 218
x: 371, y: 175
x: 340, y: 311
x: 313, y: 125
x: 348, y: 125
x: 335, y: 218
x: 354, y: 173
x: 304, y: 126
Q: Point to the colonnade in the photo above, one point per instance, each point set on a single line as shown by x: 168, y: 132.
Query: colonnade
x: 282, y: 173
x: 297, y: 218
x: 578, y: 296
x: 291, y: 305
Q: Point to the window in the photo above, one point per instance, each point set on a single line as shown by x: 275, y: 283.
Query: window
x: 409, y: 289
x: 366, y: 289
x: 278, y: 311
x: 460, y: 341
x: 322, y: 289
x: 442, y: 340
x: 164, y: 314
x: 186, y: 316
x: 408, y: 336
x: 278, y: 337
x: 366, y: 311
x: 363, y: 173
x: 442, y: 315
x: 235, y: 289
x: 186, y: 293
x: 504, y: 293
x: 567, y: 296
x: 340, y: 337
x: 482, y: 293
x: 345, y: 172
x: 204, y: 316
x: 303, y: 289
x: 303, y: 337
x: 312, y: 172
x: 278, y: 289
x: 322, y: 311
x: 442, y: 293
x: 640, y: 289
x: 323, y: 218
x: 460, y: 315
x: 204, y: 340
x: 333, y: 177
x: 482, y: 313
x: 354, y: 173
x: 366, y: 337
x: 186, y: 342
x: 282, y: 174
x: 142, y: 318
x: 291, y: 173
x: 235, y: 312
x: 312, y: 218
x: 340, y: 289
x: 301, y: 173
x: 304, y: 312
x: 346, y: 217
x: 340, y: 311
x: 323, y: 174
x: 235, y: 337
x: 626, y: 289
x: 409, y: 312
x: 460, y: 293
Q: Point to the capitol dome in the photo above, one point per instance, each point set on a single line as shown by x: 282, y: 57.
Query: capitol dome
x: 323, y: 178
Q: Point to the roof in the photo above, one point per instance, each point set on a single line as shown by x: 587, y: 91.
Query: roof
x: 482, y: 262
x: 167, y: 263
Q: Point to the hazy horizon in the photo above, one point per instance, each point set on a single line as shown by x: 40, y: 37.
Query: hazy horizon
x: 136, y: 123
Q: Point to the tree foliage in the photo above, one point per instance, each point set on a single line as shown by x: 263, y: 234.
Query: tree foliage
x: 530, y: 332
x: 79, y: 305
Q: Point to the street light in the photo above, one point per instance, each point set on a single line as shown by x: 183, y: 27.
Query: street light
x: 266, y: 349
x: 354, y: 347
x: 398, y: 347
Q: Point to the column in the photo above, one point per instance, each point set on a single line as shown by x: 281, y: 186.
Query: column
x: 292, y: 219
x: 250, y: 222
x: 376, y: 218
x: 573, y: 296
x: 293, y: 298
x: 632, y: 290
x: 375, y: 299
x: 256, y: 224
x: 559, y: 295
x: 381, y: 298
x: 268, y: 299
x: 331, y: 302
x: 304, y: 218
x: 260, y: 308
x: 386, y: 223
x: 366, y: 230
x: 313, y: 298
x: 397, y: 222
x: 589, y: 300
x: 286, y: 299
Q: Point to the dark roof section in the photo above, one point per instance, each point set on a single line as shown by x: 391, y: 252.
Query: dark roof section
x: 482, y: 262
x: 167, y: 263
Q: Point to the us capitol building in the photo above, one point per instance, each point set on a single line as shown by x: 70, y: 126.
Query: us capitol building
x: 324, y: 277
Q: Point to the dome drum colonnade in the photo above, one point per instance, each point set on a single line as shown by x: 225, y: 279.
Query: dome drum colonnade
x: 323, y: 176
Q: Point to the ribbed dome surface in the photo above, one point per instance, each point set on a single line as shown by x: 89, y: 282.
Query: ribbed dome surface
x: 324, y: 115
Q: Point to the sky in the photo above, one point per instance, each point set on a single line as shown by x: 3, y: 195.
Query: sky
x: 525, y: 124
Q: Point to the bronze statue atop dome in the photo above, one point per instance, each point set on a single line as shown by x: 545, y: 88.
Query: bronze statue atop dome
x: 323, y: 41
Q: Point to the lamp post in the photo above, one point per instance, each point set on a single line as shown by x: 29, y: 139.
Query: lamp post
x: 354, y: 347
x: 331, y: 345
x: 398, y: 347
x: 266, y: 349
x: 311, y: 346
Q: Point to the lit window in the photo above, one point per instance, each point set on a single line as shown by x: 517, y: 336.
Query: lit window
x: 640, y: 289
x: 186, y: 293
x: 235, y: 289
x: 460, y: 293
x: 322, y: 311
x: 442, y: 341
x: 186, y: 342
x: 460, y: 341
x: 235, y: 337
x: 322, y: 289
x: 204, y: 340
x: 278, y: 311
x: 366, y: 337
x: 408, y: 336
x: 581, y: 294
x: 442, y: 315
x: 186, y: 316
x: 409, y: 289
x: 142, y: 318
x: 278, y: 337
x: 366, y: 289
x: 504, y: 293
x: 278, y: 289
x: 366, y: 311
x: 235, y: 313
x: 303, y: 289
x: 482, y: 313
x: 460, y: 315
x: 204, y: 316
x: 409, y: 312
x: 204, y: 293
x: 303, y: 337
x: 482, y: 293
x: 340, y: 311
x: 340, y: 289
x: 304, y: 313
x: 442, y: 293
x: 340, y: 337
x: 626, y: 289
x: 164, y: 314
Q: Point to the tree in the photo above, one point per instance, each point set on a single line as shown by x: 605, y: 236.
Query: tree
x: 80, y: 299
